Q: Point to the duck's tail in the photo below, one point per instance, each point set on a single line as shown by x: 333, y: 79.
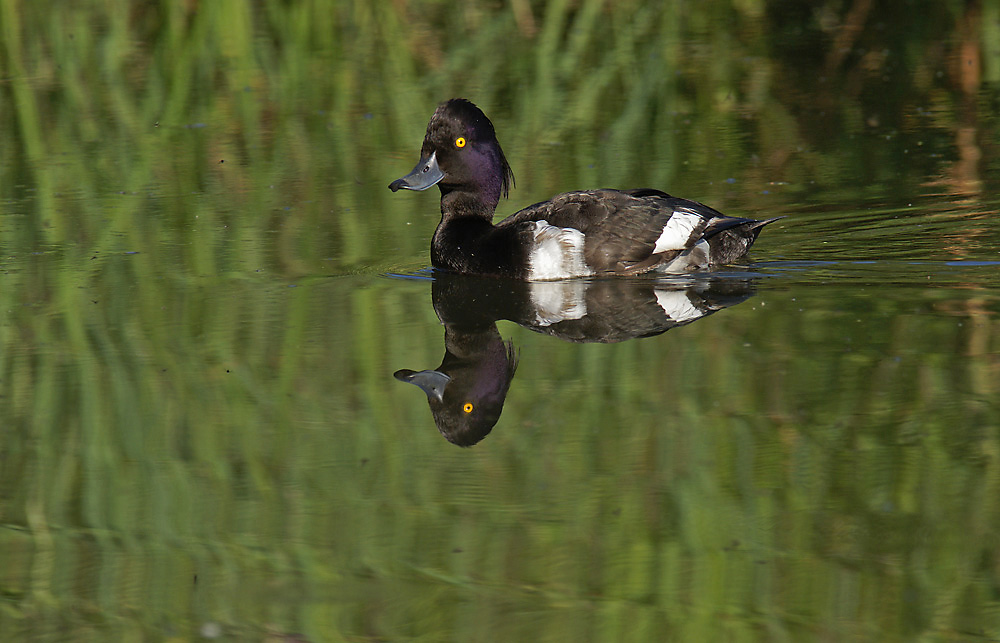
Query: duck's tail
x: 729, y: 238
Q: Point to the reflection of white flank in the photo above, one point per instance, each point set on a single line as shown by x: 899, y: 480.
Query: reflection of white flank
x: 677, y: 233
x: 558, y: 301
x: 677, y: 306
x: 556, y: 254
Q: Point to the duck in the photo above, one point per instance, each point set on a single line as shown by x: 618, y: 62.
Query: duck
x: 587, y: 233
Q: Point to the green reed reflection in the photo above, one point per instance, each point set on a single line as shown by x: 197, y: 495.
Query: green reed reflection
x: 311, y: 94
x: 200, y: 432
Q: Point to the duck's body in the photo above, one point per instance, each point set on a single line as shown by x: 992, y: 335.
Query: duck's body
x: 575, y: 234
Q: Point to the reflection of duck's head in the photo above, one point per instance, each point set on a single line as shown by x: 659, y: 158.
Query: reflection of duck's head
x: 466, y: 393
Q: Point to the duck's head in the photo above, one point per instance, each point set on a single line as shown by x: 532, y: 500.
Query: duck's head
x: 461, y: 155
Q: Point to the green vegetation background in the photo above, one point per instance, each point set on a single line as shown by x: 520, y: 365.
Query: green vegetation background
x: 197, y: 424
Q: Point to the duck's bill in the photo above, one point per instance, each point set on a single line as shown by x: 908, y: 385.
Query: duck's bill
x: 424, y: 175
x: 432, y: 383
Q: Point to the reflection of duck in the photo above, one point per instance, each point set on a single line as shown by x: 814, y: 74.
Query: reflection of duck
x: 467, y: 391
x: 575, y: 234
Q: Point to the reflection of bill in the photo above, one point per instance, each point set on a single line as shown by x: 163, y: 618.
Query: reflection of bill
x: 467, y: 391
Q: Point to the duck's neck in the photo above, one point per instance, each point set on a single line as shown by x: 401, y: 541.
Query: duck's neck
x: 456, y: 203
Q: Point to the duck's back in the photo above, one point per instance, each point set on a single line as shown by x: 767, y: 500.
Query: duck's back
x: 612, y: 231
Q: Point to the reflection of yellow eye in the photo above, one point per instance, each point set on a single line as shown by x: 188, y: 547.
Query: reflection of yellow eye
x: 468, y: 407
x: 460, y: 142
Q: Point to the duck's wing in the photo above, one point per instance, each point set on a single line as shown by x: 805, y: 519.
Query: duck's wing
x: 624, y: 232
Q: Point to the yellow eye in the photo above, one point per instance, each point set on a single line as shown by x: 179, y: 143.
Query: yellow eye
x: 460, y: 142
x: 468, y: 405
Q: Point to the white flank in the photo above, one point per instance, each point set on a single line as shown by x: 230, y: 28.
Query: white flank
x: 677, y: 306
x: 556, y: 254
x: 556, y: 301
x: 677, y: 233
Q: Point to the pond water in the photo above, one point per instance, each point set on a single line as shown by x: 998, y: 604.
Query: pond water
x: 206, y: 291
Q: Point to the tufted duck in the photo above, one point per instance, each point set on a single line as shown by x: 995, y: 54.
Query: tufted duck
x: 575, y: 234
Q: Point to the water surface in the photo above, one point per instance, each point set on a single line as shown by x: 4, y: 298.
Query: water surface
x: 206, y: 288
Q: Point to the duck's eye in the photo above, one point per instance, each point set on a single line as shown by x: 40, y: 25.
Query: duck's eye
x: 468, y: 405
x: 460, y: 142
